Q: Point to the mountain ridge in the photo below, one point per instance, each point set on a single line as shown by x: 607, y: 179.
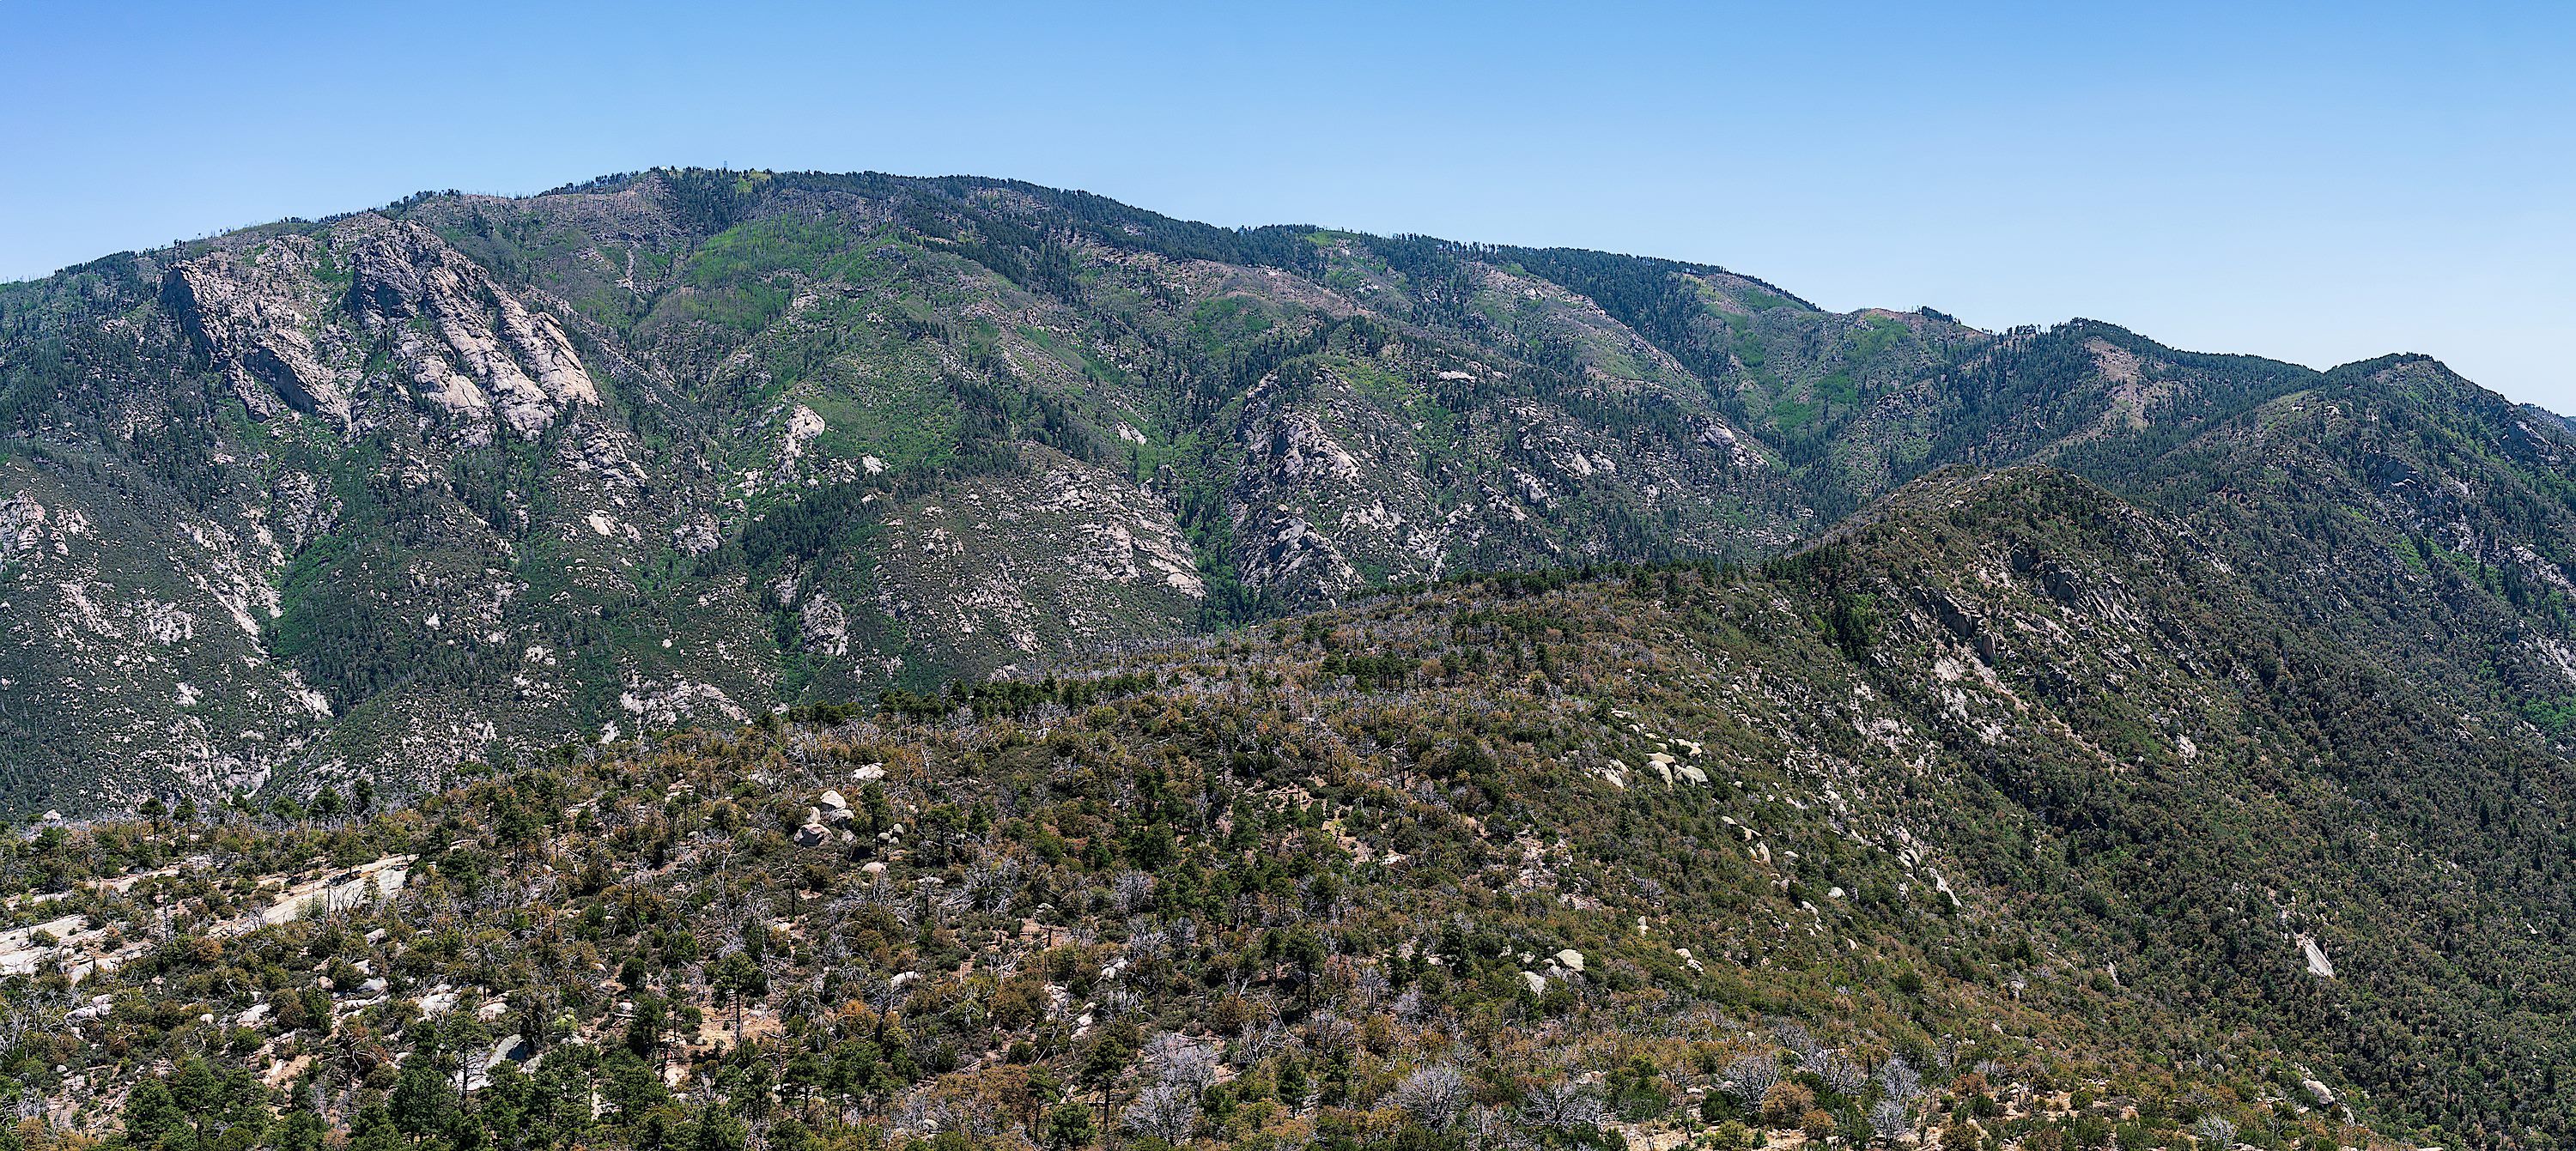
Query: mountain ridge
x: 464, y: 476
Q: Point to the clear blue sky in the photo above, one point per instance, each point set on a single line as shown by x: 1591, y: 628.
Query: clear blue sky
x: 2318, y: 182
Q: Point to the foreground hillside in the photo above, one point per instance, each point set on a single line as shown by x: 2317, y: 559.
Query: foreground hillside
x: 466, y: 476
x: 2005, y: 816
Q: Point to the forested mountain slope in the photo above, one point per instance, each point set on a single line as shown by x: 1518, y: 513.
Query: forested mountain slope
x: 2006, y: 815
x: 466, y: 476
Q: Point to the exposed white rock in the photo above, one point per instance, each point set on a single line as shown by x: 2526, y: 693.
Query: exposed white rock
x: 490, y: 356
x: 824, y: 626
x: 803, y: 425
x: 2318, y: 964
x: 256, y: 315
x: 1304, y: 450
x: 696, y: 535
x: 667, y: 705
x: 22, y: 527
x: 506, y: 1049
x: 375, y: 881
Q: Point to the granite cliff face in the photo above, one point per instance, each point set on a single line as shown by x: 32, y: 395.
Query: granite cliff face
x: 466, y: 476
x: 484, y: 354
x: 292, y: 323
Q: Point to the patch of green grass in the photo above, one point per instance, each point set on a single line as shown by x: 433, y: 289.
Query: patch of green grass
x: 1793, y: 415
x: 906, y: 419
x: 1228, y: 320
x: 1838, y: 387
x: 746, y: 307
x: 1619, y: 363
x: 1761, y: 301
x: 752, y: 252
x: 1875, y: 338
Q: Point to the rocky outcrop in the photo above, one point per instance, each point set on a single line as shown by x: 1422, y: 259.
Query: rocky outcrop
x: 258, y: 316
x: 1320, y: 473
x: 271, y: 318
x: 1057, y: 555
x: 1282, y: 550
x: 824, y: 627
x: 1301, y: 450
x: 473, y: 349
x: 25, y: 529
x: 1116, y: 533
